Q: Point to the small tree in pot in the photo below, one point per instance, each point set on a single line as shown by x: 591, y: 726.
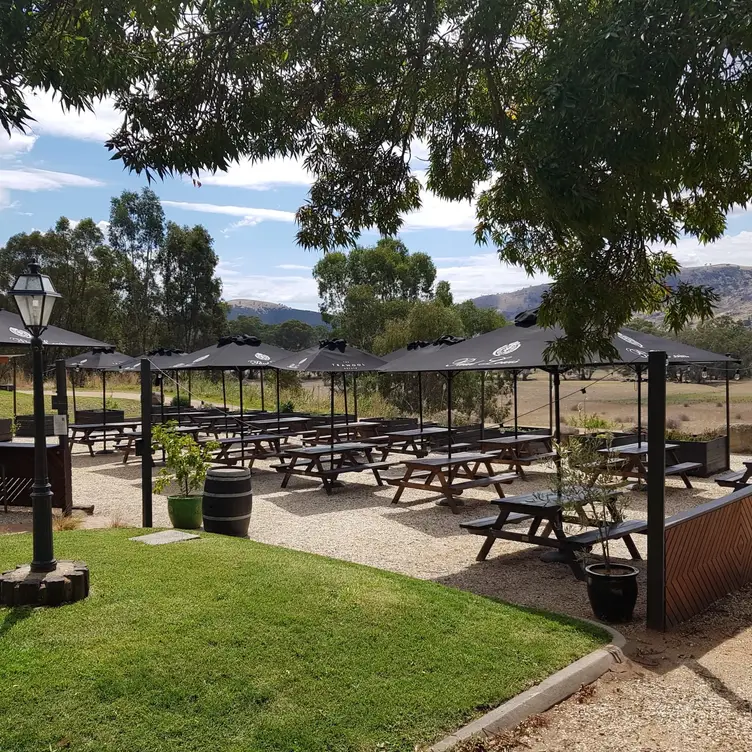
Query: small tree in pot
x: 590, y: 477
x: 186, y: 463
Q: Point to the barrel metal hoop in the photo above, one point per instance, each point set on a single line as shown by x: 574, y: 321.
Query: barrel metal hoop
x: 227, y: 519
x: 226, y: 495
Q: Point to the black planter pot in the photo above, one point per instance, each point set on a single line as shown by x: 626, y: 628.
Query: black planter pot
x: 612, y: 591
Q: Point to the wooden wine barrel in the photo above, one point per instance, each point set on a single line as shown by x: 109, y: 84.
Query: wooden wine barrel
x: 227, y: 501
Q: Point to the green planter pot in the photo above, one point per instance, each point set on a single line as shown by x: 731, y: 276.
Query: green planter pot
x: 185, y: 511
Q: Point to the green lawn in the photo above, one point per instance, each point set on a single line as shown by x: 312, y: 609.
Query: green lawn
x: 25, y: 404
x: 225, y: 645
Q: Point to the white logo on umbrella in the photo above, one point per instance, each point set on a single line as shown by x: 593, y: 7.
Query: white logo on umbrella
x: 263, y: 356
x: 20, y: 332
x: 464, y: 362
x: 203, y: 357
x: 629, y: 340
x: 507, y: 349
x: 638, y: 353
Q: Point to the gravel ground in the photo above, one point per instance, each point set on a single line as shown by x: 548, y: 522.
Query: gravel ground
x: 691, y: 690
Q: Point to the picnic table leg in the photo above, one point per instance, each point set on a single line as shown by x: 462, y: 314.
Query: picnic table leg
x: 447, y: 492
x: 567, y: 550
x: 491, y: 539
x: 288, y: 472
x: 516, y: 464
x: 369, y: 456
x: 675, y: 460
x: 633, y: 552
x: 405, y: 478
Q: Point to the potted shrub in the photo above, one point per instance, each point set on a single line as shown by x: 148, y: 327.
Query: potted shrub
x: 611, y: 586
x: 186, y: 463
x: 708, y: 448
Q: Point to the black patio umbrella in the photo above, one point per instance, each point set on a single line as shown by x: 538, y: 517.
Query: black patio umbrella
x: 332, y: 356
x: 97, y: 359
x: 237, y: 352
x: 12, y: 332
x: 421, y: 348
x: 520, y: 347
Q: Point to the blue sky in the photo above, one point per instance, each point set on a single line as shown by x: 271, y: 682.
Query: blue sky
x: 62, y: 168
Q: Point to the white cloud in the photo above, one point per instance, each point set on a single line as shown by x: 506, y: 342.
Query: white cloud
x: 730, y: 249
x: 292, y: 267
x: 261, y: 175
x: 482, y: 274
x: 15, y: 145
x: 30, y: 179
x: 103, y: 225
x: 250, y: 216
x: 52, y: 120
x: 439, y: 214
x: 295, y: 291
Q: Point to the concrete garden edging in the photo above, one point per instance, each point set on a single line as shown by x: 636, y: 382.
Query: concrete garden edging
x: 545, y: 695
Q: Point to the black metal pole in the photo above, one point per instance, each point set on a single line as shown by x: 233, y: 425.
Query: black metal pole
x: 514, y: 389
x: 347, y: 421
x: 278, y: 405
x: 15, y: 390
x: 190, y: 388
x: 639, y: 405
x: 104, y: 412
x: 550, y: 404
x: 261, y: 372
x: 177, y: 395
x: 656, y: 568
x: 146, y: 462
x: 73, y: 387
x: 331, y: 423
x: 224, y: 401
x: 728, y: 416
x: 482, y: 403
x: 61, y: 405
x: 557, y: 406
x: 420, y: 400
x: 41, y: 492
x: 450, y: 376
x: 355, y: 396
x: 161, y: 402
x: 242, y: 422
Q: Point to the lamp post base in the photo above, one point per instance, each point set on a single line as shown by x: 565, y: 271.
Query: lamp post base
x: 67, y: 583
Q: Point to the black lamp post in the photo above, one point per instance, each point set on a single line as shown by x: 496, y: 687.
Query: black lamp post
x: 35, y: 296
x: 44, y: 582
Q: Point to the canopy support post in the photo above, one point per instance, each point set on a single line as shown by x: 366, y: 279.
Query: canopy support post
x: 482, y: 403
x: 331, y: 420
x: 15, y: 390
x: 242, y: 422
x: 550, y: 404
x: 276, y: 373
x: 347, y: 420
x: 450, y: 377
x: 514, y: 389
x: 263, y: 403
x: 146, y: 450
x: 728, y: 416
x: 161, y: 403
x: 355, y: 396
x: 224, y: 395
x: 73, y: 387
x: 639, y: 405
x: 190, y: 386
x: 656, y: 580
x: 104, y: 449
x: 557, y: 406
x: 420, y: 398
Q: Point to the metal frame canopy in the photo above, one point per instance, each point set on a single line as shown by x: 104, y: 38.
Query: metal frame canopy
x: 161, y: 359
x: 331, y: 356
x: 97, y: 359
x: 13, y: 332
x: 516, y: 348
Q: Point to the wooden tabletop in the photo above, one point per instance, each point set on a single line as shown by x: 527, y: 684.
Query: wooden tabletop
x: 523, y: 438
x: 280, y: 420
x: 314, y: 451
x: 100, y: 426
x: 540, y: 499
x: 412, y: 433
x: 632, y: 449
x: 249, y: 439
x: 442, y: 460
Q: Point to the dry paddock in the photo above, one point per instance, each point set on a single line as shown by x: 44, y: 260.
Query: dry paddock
x: 690, y: 690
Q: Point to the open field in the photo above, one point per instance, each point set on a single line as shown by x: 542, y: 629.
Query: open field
x: 227, y: 644
x: 132, y: 407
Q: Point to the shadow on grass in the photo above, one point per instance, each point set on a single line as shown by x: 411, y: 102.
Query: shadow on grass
x: 12, y: 617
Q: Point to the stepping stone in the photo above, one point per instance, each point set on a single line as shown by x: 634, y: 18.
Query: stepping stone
x: 165, y: 536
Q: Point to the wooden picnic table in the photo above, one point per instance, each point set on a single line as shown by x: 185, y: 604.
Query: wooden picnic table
x: 91, y: 433
x: 411, y: 440
x: 736, y: 479
x: 634, y: 465
x: 258, y: 446
x: 127, y: 442
x: 450, y: 476
x: 517, y: 451
x: 329, y: 462
x: 361, y: 429
x: 547, y: 508
x: 288, y: 424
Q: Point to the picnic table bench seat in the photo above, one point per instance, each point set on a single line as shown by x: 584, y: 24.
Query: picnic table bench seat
x: 529, y: 459
x: 482, y: 525
x: 731, y: 479
x: 682, y: 467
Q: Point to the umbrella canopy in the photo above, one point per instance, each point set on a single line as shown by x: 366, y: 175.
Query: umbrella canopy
x: 513, y: 347
x: 12, y: 332
x: 97, y: 359
x: 331, y: 356
x: 422, y: 346
x: 236, y: 351
x: 162, y: 359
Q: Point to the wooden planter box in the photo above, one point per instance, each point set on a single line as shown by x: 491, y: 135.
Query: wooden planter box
x: 5, y: 432
x: 100, y: 416
x: 25, y: 426
x: 710, y: 454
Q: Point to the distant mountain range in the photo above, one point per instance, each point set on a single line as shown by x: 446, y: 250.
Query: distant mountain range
x: 733, y: 284
x: 271, y: 313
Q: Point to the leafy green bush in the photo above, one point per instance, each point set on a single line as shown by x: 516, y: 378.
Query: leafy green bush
x: 591, y: 421
x: 287, y: 407
x: 183, y: 401
x: 186, y: 461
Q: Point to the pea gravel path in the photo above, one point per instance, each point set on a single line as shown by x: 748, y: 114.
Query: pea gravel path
x: 689, y: 692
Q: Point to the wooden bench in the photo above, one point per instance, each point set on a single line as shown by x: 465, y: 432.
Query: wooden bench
x: 483, y: 525
x: 532, y: 458
x: 681, y: 469
x: 732, y: 479
x: 618, y: 531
